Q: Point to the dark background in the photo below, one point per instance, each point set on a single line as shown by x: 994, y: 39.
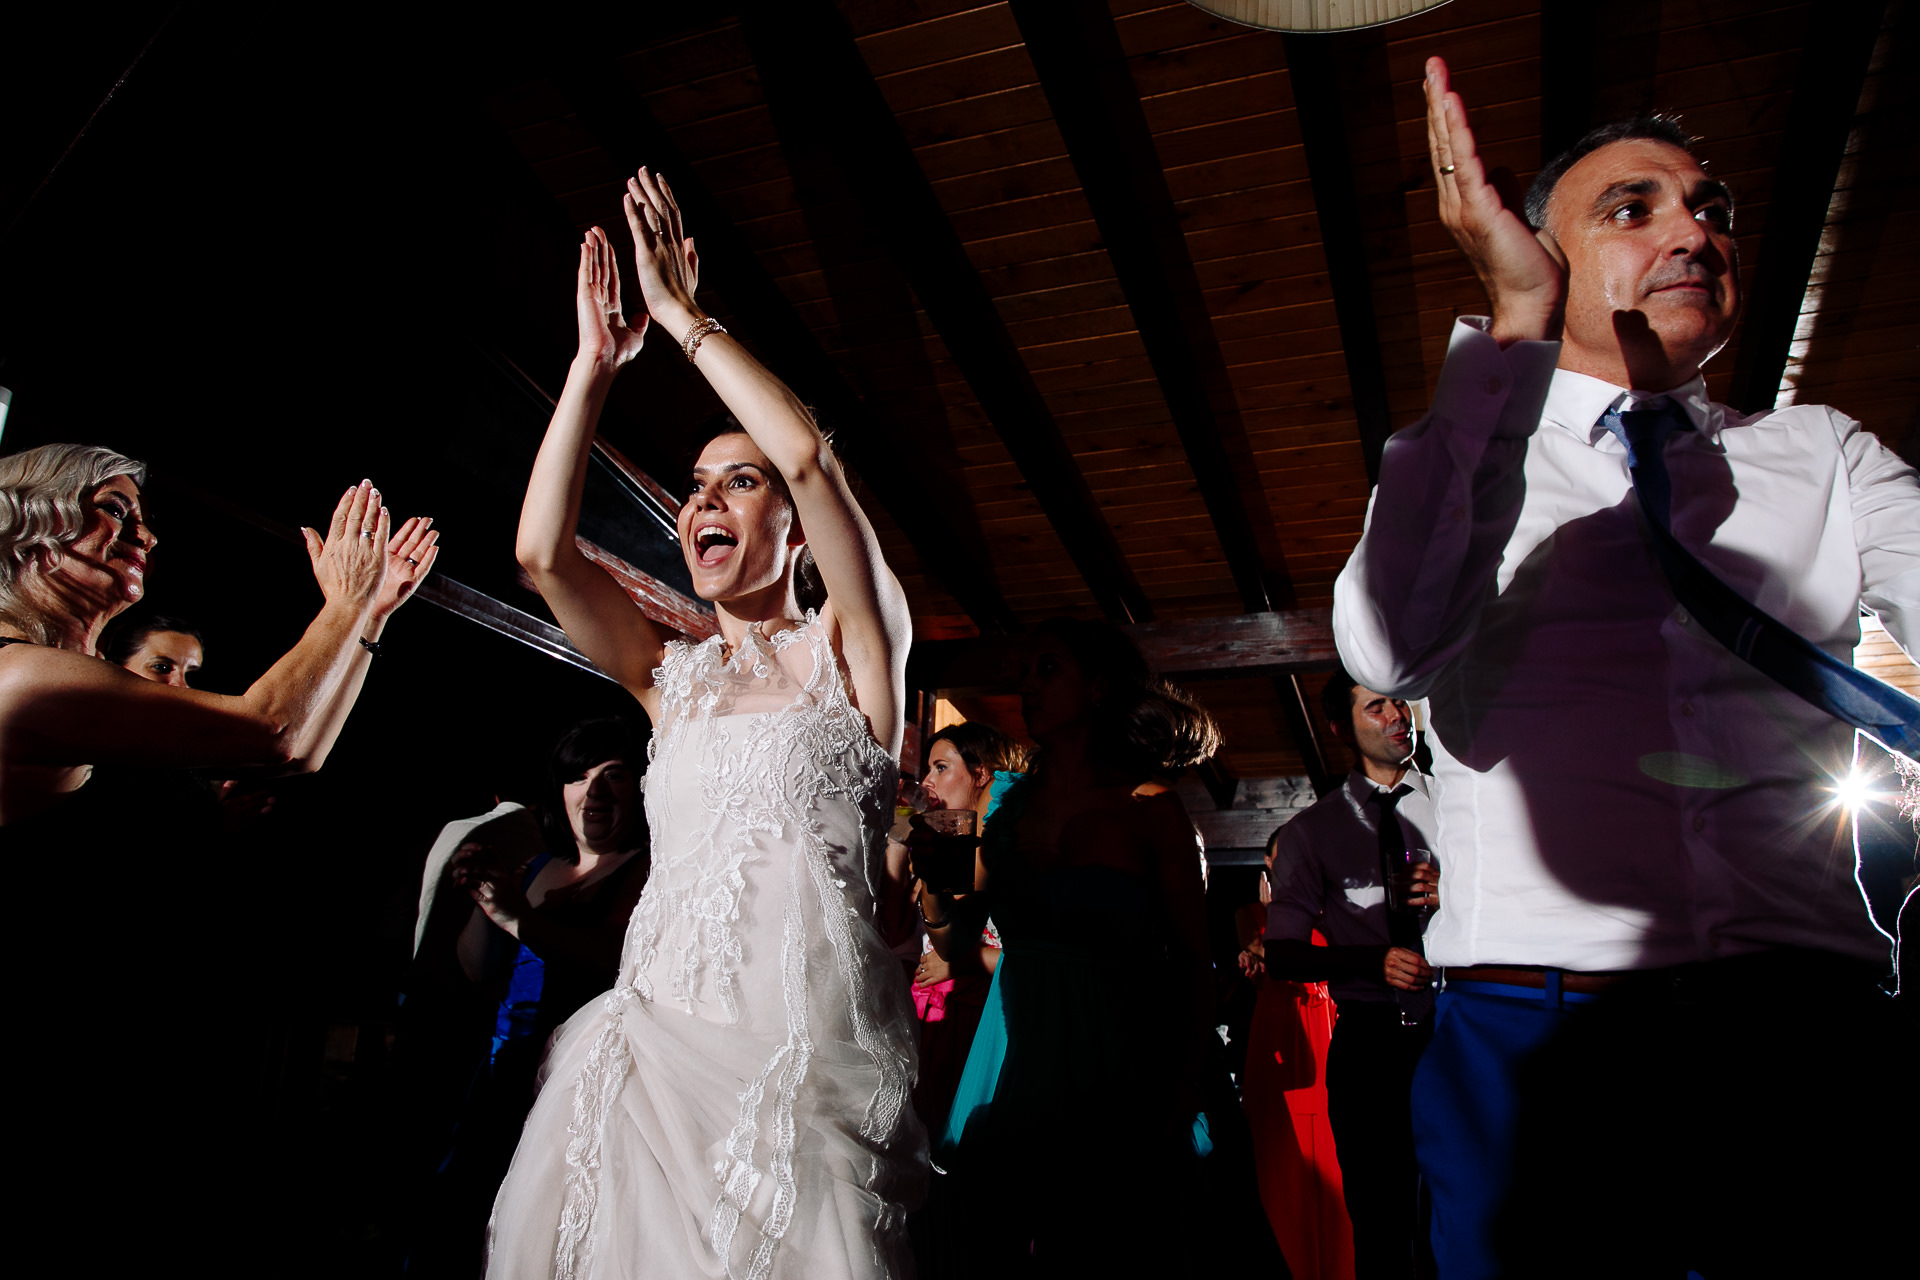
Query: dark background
x: 283, y: 257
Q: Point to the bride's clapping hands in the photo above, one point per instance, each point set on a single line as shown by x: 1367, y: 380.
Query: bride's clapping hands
x: 605, y: 336
x: 664, y: 259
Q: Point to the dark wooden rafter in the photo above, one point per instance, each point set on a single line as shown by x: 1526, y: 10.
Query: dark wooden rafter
x: 1280, y: 643
x: 1096, y: 105
x: 1293, y: 704
x: 1348, y: 131
x: 1083, y: 70
x: 1833, y: 65
x: 1596, y: 66
x: 901, y: 476
x: 813, y: 71
x: 1316, y: 66
x: 1881, y: 162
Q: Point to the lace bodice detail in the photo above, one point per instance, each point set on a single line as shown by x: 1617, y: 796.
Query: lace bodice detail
x: 755, y: 748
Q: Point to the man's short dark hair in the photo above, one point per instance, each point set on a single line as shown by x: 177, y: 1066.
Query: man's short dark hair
x: 1336, y: 698
x: 1655, y: 128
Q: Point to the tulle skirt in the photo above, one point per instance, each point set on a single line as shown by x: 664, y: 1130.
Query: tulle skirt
x: 649, y: 1099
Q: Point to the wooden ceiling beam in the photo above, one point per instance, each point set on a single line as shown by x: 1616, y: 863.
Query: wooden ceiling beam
x: 814, y: 74
x: 1321, y: 68
x: 1281, y: 643
x: 1344, y: 111
x: 1833, y: 66
x: 1083, y: 70
x: 900, y: 474
x: 1596, y: 66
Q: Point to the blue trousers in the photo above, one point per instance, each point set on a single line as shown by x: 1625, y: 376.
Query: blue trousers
x: 1746, y: 1117
x: 1465, y: 1110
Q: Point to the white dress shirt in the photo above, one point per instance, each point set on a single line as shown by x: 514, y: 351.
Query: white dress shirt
x: 1326, y: 871
x: 1616, y: 790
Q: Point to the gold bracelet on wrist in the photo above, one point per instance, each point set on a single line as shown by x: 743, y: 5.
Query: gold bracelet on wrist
x: 698, y: 334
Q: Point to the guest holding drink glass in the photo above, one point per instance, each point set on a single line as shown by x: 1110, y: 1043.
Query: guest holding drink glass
x: 1358, y: 867
x: 969, y: 766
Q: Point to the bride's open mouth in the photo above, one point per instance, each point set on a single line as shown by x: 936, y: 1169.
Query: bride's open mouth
x: 712, y: 544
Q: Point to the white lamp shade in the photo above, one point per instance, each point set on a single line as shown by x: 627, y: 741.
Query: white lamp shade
x: 1314, y: 15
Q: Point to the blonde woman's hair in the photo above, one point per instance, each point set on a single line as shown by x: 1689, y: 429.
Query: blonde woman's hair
x: 40, y: 515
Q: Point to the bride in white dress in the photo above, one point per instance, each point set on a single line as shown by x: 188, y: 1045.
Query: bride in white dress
x: 738, y: 1104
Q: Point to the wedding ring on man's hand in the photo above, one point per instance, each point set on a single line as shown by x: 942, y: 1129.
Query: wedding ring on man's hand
x: 365, y: 534
x: 415, y: 563
x: 1446, y: 170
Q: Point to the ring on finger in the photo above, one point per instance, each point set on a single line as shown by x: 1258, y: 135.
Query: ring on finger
x: 413, y: 562
x: 366, y: 533
x: 1446, y: 170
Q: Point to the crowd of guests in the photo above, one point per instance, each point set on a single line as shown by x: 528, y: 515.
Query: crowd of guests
x: 733, y: 1022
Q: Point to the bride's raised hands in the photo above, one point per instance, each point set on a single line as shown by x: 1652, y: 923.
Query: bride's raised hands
x: 605, y: 336
x: 664, y: 257
x: 866, y: 611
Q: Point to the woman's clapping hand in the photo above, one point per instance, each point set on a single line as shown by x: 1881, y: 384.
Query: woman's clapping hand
x: 410, y: 556
x: 350, y: 563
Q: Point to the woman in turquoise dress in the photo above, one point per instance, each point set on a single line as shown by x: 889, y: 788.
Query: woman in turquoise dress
x: 1072, y: 1135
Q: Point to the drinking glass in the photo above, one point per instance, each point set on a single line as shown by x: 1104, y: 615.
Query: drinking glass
x: 944, y: 857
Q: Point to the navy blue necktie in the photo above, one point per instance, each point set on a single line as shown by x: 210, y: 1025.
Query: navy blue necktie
x: 1844, y: 692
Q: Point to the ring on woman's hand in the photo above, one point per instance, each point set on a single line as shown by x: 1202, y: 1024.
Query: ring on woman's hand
x: 415, y: 563
x: 1446, y: 170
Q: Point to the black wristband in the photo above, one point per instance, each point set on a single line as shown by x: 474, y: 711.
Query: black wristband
x: 371, y: 646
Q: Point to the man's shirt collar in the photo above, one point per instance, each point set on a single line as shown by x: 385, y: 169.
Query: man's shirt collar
x: 1361, y: 788
x: 1576, y: 401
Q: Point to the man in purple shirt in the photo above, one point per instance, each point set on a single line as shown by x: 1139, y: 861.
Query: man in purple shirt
x: 1328, y: 868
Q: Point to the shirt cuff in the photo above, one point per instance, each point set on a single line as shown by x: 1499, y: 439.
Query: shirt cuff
x: 1480, y: 379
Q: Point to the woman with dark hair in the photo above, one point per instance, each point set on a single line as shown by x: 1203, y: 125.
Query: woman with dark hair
x: 968, y: 765
x: 1072, y: 1130
x: 155, y: 647
x: 167, y: 650
x: 556, y: 923
x: 545, y: 934
x: 738, y: 1104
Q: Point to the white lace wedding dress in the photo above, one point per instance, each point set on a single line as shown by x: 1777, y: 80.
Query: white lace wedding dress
x: 738, y: 1104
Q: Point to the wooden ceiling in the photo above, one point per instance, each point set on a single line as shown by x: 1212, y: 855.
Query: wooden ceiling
x: 1113, y: 304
